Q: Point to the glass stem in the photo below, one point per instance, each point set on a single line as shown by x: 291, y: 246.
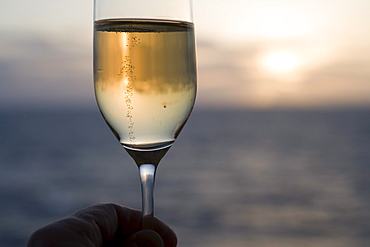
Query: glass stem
x: 147, y: 177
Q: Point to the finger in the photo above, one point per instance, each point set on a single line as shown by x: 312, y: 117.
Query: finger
x: 111, y: 218
x: 115, y: 223
x: 144, y: 238
x: 66, y: 232
x: 167, y: 234
x: 97, y: 225
x: 92, y: 226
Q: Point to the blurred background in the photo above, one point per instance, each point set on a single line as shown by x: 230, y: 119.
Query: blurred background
x: 275, y: 153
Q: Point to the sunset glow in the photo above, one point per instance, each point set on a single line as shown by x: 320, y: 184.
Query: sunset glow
x: 280, y: 62
x: 255, y: 53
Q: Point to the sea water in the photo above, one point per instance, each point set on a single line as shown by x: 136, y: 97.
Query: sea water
x: 233, y: 178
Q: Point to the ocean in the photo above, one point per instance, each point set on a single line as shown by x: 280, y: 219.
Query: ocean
x: 233, y: 178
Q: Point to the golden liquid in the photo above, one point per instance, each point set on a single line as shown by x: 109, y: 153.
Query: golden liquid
x: 145, y: 79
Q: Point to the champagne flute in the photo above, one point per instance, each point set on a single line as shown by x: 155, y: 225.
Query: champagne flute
x: 145, y: 77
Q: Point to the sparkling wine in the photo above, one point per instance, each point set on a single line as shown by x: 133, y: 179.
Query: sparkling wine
x: 145, y: 79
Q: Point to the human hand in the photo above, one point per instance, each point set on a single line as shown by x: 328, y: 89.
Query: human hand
x: 107, y: 225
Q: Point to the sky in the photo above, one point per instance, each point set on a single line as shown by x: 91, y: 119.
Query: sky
x: 255, y: 54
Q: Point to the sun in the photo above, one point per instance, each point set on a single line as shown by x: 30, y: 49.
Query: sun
x: 280, y: 62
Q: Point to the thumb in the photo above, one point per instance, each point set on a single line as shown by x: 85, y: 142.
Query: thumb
x: 144, y: 238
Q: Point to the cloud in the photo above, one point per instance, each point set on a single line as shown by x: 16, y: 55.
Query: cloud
x: 338, y: 84
x: 41, y: 71
x: 234, y: 77
x: 37, y: 71
x: 46, y: 53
